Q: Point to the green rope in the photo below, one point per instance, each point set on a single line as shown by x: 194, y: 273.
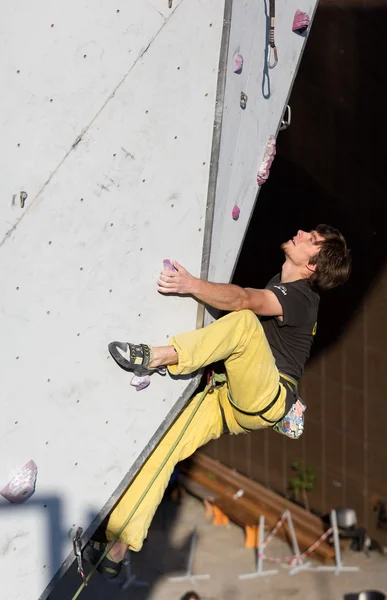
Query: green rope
x: 216, y: 378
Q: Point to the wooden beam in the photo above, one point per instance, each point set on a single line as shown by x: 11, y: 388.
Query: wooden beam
x: 222, y: 483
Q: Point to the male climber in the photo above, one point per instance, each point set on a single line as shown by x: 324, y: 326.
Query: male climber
x: 264, y: 360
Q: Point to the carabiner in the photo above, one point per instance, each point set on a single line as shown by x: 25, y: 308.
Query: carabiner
x: 272, y: 50
x: 286, y: 119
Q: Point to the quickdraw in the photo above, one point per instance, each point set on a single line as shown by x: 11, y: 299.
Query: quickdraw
x: 272, y: 47
x: 77, y: 548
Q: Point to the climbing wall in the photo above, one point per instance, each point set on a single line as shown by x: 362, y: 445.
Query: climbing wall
x: 107, y: 118
x: 246, y: 132
x: 123, y: 143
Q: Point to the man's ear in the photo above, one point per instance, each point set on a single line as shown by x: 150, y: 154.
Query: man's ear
x: 311, y: 267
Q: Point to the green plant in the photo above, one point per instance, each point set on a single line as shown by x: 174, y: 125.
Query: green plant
x: 302, y: 482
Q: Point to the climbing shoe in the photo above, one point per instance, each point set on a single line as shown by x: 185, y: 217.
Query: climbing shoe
x: 134, y: 357
x: 107, y: 568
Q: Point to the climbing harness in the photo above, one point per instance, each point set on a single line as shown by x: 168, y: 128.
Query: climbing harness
x: 259, y: 413
x: 272, y: 47
x: 212, y: 382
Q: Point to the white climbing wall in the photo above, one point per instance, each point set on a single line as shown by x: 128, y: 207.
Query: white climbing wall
x: 110, y: 116
x: 79, y: 263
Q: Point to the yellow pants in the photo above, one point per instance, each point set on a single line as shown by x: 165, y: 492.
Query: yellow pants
x: 252, y: 379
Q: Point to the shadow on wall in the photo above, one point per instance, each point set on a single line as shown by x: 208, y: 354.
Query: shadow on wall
x: 330, y: 164
x: 161, y: 555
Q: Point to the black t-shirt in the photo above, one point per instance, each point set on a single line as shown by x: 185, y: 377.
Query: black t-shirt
x: 291, y: 339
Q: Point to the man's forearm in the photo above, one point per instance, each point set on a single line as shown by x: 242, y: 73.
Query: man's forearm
x: 224, y: 296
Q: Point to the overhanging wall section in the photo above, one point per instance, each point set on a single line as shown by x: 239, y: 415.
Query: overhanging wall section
x: 245, y: 133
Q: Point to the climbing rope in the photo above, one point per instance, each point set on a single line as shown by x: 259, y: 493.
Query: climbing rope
x: 272, y: 47
x: 213, y: 379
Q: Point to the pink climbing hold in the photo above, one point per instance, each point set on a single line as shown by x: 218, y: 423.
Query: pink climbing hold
x: 168, y: 266
x: 264, y: 169
x: 301, y: 22
x: 236, y: 211
x: 140, y: 383
x: 22, y: 485
x: 238, y: 63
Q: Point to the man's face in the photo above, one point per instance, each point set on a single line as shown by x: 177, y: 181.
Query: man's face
x: 300, y: 249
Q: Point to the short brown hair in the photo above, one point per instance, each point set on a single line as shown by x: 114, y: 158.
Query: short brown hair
x: 333, y: 261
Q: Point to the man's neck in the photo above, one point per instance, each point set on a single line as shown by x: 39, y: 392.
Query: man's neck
x: 291, y: 272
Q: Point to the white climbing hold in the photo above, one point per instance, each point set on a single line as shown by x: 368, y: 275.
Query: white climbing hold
x: 22, y: 485
x: 236, y: 211
x: 264, y: 169
x: 140, y: 383
x: 238, y: 63
x: 301, y: 22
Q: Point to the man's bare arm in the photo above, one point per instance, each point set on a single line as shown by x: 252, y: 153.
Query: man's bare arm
x: 223, y: 296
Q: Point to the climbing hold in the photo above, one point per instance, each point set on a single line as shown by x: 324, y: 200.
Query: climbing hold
x: 22, y: 485
x: 140, y: 383
x: 301, y: 22
x: 243, y: 101
x: 168, y: 266
x: 236, y: 211
x: 238, y: 63
x: 23, y: 198
x: 264, y: 169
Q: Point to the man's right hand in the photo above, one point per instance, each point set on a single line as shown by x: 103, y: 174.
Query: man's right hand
x: 177, y: 282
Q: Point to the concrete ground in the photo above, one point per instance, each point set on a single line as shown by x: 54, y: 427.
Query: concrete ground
x: 221, y: 554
